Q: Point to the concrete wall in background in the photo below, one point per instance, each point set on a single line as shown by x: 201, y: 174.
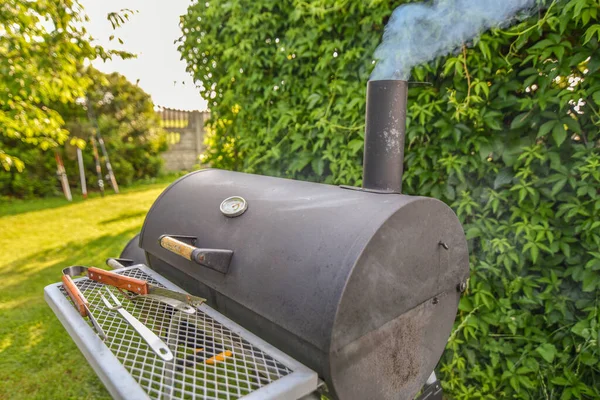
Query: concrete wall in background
x: 185, y: 134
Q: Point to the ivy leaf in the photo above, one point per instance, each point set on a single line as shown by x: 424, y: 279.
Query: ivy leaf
x: 547, y: 351
x: 355, y: 145
x: 596, y: 97
x: 485, y: 150
x: 485, y: 49
x: 520, y: 120
x: 535, y: 251
x: 558, y: 186
x: 541, y: 44
x: 300, y: 162
x: 561, y: 381
x: 546, y: 128
x: 450, y: 192
x: 473, y: 232
x: 594, y: 29
x: 504, y: 177
x: 559, y: 134
x: 572, y: 124
x: 582, y: 328
x: 559, y: 51
x: 591, y: 280
x: 318, y: 165
x: 313, y: 99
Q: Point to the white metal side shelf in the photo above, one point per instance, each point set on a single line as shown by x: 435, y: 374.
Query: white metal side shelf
x: 245, y: 366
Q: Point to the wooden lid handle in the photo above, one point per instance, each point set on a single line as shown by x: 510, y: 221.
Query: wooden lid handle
x: 217, y: 259
x: 177, y: 246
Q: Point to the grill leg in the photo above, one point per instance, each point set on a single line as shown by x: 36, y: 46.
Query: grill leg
x: 432, y: 389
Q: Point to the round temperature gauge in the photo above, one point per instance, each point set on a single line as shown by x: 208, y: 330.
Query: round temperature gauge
x: 233, y: 206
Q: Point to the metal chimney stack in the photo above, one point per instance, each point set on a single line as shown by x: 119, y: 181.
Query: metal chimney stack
x: 384, y: 135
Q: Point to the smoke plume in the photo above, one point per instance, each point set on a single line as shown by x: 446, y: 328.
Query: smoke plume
x: 420, y: 32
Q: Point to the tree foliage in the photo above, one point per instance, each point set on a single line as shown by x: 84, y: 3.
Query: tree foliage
x: 127, y: 122
x: 507, y: 134
x: 42, y: 49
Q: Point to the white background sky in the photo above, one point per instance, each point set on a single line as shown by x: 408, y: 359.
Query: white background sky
x: 149, y: 34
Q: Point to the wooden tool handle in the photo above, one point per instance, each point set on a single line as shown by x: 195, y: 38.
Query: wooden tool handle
x: 75, y: 295
x: 138, y: 286
x: 177, y: 246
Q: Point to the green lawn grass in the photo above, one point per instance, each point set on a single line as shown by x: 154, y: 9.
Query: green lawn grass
x: 38, y: 359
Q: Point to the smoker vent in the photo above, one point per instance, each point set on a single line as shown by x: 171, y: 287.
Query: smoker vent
x: 193, y: 373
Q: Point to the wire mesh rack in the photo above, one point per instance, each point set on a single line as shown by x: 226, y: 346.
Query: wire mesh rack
x: 212, y: 359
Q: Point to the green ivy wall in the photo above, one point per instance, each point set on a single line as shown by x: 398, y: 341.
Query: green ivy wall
x: 507, y: 134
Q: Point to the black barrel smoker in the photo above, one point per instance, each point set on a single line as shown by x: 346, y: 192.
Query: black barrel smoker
x: 360, y: 284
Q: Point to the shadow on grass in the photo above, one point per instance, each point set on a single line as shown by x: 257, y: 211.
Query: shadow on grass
x: 92, y: 253
x: 21, y: 206
x: 123, y: 216
x: 18, y: 206
x: 38, y: 359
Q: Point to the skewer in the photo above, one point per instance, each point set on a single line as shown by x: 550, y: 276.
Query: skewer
x: 94, y: 121
x: 81, y: 173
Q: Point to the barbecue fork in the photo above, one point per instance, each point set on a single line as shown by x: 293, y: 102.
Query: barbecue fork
x: 156, y: 344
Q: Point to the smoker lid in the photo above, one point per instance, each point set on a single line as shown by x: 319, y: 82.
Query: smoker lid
x: 293, y: 247
x: 301, y: 245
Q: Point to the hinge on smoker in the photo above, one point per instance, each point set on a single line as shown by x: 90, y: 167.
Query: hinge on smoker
x: 432, y: 389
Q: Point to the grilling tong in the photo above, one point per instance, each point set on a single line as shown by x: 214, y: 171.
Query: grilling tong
x: 137, y: 288
x: 80, y: 302
x: 141, y: 289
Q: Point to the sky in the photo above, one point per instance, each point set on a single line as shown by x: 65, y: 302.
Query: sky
x: 149, y: 34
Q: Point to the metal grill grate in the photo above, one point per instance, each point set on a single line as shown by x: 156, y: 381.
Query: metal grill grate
x: 211, y: 361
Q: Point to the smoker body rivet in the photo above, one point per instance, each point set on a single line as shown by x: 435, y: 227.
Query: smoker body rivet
x: 444, y: 245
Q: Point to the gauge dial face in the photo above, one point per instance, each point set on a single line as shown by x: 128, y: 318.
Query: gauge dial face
x: 233, y: 206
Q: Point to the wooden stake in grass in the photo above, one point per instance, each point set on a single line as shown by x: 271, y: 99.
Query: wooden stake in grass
x: 62, y: 176
x: 111, y: 174
x: 98, y: 166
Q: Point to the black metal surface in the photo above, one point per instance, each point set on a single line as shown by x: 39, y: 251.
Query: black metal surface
x: 133, y: 251
x: 217, y: 259
x: 116, y: 263
x: 384, y: 135
x: 353, y: 284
